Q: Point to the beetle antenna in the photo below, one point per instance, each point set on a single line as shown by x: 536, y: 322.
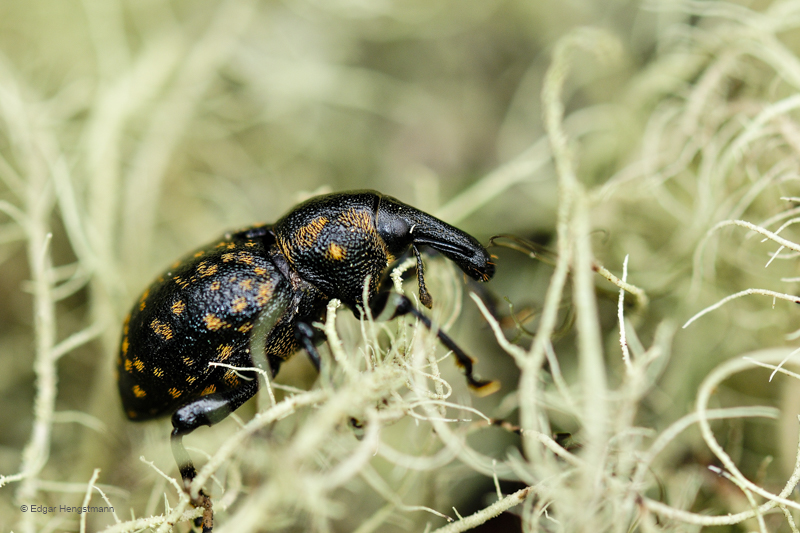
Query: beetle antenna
x: 424, y: 296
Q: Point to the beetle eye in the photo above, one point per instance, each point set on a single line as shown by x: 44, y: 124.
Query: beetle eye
x: 394, y: 230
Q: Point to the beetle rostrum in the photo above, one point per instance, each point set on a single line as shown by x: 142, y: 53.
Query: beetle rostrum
x: 273, y: 280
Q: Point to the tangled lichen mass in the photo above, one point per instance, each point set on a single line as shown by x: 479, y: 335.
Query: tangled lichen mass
x: 639, y: 161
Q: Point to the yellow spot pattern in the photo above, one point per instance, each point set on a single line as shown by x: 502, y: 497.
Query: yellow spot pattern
x: 239, y: 304
x: 157, y: 372
x: 213, y: 322
x: 204, y: 269
x: 307, y: 235
x: 128, y: 365
x: 362, y: 220
x: 175, y: 393
x: 142, y: 302
x: 230, y: 378
x: 245, y: 257
x: 335, y: 252
x: 244, y: 328
x: 215, y: 286
x: 161, y: 329
x: 125, y: 345
x: 259, y: 271
x: 224, y: 352
x: 138, y: 364
x: 178, y: 307
x: 227, y: 257
x: 246, y: 284
x: 211, y: 389
x: 264, y: 293
x: 138, y: 392
x: 355, y: 218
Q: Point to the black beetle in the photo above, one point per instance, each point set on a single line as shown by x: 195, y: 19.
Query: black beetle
x: 207, y: 306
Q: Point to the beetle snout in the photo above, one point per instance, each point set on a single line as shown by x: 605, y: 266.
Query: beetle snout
x: 480, y: 266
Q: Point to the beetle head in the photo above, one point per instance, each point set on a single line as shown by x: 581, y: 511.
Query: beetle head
x: 401, y: 226
x: 339, y: 241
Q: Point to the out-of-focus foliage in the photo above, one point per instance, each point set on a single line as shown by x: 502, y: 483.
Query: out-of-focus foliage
x: 133, y: 131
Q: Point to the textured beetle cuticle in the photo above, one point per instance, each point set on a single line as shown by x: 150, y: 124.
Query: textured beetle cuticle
x: 205, y: 308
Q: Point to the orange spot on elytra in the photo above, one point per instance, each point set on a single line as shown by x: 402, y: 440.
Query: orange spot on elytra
x: 204, y: 269
x: 239, y: 304
x: 230, y: 378
x: 138, y: 392
x: 245, y: 257
x: 213, y: 322
x: 264, y: 293
x: 224, y: 351
x: 161, y: 329
x: 142, y: 302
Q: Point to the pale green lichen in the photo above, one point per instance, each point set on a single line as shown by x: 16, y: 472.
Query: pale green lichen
x: 657, y: 141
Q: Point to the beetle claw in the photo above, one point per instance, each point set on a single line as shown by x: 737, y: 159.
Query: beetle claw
x: 207, y: 520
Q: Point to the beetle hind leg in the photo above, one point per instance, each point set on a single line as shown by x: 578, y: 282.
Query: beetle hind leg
x: 188, y: 473
x: 204, y: 411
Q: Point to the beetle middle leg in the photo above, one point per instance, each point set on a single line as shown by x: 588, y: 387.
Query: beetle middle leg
x: 204, y: 411
x: 309, y: 337
x: 390, y: 305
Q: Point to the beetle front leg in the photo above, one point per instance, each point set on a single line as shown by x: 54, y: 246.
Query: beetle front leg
x: 388, y: 305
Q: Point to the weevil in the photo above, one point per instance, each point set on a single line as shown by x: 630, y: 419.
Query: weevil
x: 273, y: 280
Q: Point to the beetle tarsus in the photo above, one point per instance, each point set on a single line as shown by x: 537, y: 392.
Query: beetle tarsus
x: 188, y: 474
x: 401, y: 305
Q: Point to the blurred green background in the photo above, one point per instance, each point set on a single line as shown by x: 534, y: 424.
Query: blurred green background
x: 135, y: 131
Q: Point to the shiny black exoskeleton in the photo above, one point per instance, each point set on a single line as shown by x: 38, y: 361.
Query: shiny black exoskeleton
x: 273, y: 281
